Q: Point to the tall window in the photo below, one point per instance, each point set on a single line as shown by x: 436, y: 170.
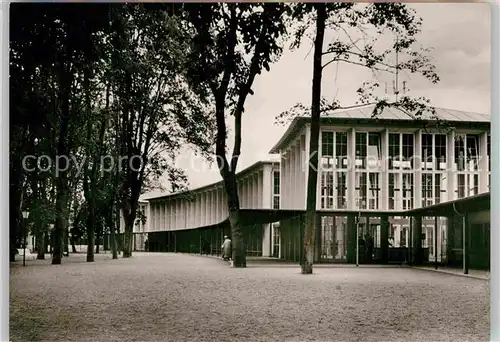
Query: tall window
x: 373, y: 190
x: 327, y: 150
x: 430, y: 239
x: 394, y: 147
x: 374, y: 152
x: 401, y: 150
x: 461, y: 185
x: 476, y: 184
x: 472, y: 152
x: 327, y: 190
x: 408, y: 150
x: 427, y: 198
x: 460, y: 152
x: 437, y: 188
x: 467, y: 152
x: 361, y: 150
x: 488, y: 147
x: 341, y: 150
x: 368, y: 150
x: 276, y: 190
x: 361, y: 184
x: 440, y: 151
x: 341, y: 191
x: 427, y: 155
x: 392, y: 191
x: 408, y: 189
x: 334, y: 150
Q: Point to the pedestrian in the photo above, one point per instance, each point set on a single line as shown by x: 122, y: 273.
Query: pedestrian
x: 226, y: 248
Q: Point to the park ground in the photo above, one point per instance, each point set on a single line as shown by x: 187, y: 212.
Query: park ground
x: 178, y: 297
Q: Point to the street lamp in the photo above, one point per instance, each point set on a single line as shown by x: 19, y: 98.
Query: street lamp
x: 25, y: 217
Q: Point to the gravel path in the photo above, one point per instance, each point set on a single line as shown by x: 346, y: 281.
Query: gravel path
x: 175, y: 297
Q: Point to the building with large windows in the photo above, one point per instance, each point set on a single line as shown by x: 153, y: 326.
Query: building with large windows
x: 372, y: 173
x: 385, y: 165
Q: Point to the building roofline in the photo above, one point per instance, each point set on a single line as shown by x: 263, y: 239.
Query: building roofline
x: 213, y: 185
x: 300, y: 121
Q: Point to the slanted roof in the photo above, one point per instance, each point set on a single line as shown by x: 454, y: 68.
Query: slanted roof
x: 239, y: 174
x: 393, y: 113
x: 469, y: 204
x: 390, y: 116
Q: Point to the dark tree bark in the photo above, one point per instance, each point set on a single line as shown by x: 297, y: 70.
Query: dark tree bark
x: 62, y: 179
x: 310, y: 218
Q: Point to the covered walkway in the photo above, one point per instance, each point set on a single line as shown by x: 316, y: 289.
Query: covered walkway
x: 451, y: 234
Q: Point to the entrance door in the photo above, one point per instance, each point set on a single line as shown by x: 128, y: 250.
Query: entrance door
x: 333, y: 239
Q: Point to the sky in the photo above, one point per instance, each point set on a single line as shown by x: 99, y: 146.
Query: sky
x: 459, y: 34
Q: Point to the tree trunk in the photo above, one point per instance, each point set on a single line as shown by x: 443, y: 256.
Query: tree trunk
x: 113, y: 241
x: 97, y: 236
x: 40, y: 242
x: 127, y: 236
x: 73, y: 247
x: 237, y: 240
x: 310, y: 219
x: 63, y: 149
x: 61, y: 214
x: 90, y: 235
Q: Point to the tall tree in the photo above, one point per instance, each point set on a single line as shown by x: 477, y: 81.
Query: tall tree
x: 232, y: 43
x: 369, y: 21
x: 156, y: 114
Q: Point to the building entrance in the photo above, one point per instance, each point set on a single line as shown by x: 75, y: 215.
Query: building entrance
x: 333, y: 239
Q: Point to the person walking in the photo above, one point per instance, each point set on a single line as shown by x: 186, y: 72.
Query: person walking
x: 226, y: 248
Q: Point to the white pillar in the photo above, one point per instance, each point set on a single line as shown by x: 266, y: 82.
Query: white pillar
x: 300, y: 167
x: 305, y: 163
x: 282, y: 180
x: 384, y: 174
x: 171, y: 214
x: 351, y: 174
x: 296, y: 167
x: 450, y: 161
x: 267, y: 186
x: 483, y: 163
x: 164, y: 215
x: 209, y: 205
x: 206, y: 209
x: 417, y: 165
x: 266, y: 240
x: 293, y: 189
x: 250, y: 192
x: 161, y: 217
x: 259, y: 188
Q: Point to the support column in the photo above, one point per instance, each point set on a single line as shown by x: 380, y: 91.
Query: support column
x: 417, y: 240
x: 351, y: 174
x: 450, y: 238
x: 417, y: 167
x: 483, y: 163
x: 317, y: 247
x: 384, y: 174
x: 384, y: 239
x: 410, y: 243
x: 466, y: 242
x: 436, y: 219
x: 351, y: 239
x: 266, y: 240
x: 451, y: 175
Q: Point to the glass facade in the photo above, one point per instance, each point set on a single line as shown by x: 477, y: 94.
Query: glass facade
x: 399, y: 170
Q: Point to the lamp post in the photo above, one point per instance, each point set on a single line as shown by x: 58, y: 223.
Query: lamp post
x: 25, y: 217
